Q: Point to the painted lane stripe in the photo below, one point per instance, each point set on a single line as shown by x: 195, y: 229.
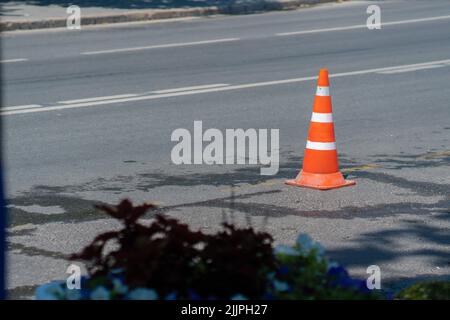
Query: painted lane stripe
x: 27, y: 106
x: 363, y: 26
x: 323, y: 91
x: 191, y: 88
x: 160, y: 46
x: 322, y: 117
x: 98, y: 98
x: 294, y: 33
x: 219, y: 89
x: 12, y: 60
x: 410, y: 69
x: 320, y: 145
x: 376, y: 70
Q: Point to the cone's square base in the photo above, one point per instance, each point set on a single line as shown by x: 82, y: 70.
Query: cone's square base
x: 321, y: 181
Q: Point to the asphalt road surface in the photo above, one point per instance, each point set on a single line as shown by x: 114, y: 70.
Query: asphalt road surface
x: 88, y: 117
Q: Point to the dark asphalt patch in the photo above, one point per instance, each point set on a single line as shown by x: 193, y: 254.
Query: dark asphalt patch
x: 22, y: 292
x: 349, y: 212
x: 80, y: 210
x: 77, y: 209
x: 33, y: 251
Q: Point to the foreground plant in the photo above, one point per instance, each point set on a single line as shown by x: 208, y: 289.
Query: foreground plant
x: 426, y: 290
x: 166, y: 260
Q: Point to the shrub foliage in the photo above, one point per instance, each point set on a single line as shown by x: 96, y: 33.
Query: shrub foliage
x: 167, y: 256
x: 166, y: 260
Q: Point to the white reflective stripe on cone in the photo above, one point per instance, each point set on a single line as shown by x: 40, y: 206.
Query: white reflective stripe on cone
x: 323, y: 91
x: 320, y: 145
x: 322, y: 117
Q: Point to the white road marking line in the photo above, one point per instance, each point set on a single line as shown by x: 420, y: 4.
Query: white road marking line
x: 411, y: 69
x: 377, y: 70
x: 191, y: 88
x: 159, y: 46
x: 13, y: 60
x: 27, y: 106
x: 98, y: 98
x: 361, y: 26
x: 418, y: 65
x: 219, y: 89
x: 292, y: 33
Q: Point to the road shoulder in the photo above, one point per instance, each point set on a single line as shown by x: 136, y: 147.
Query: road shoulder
x: 30, y: 17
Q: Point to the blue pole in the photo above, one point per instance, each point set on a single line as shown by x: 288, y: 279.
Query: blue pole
x: 3, y: 216
x: 3, y: 222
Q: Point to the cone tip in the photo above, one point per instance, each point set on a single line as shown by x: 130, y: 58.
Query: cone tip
x: 323, y: 77
x: 323, y: 73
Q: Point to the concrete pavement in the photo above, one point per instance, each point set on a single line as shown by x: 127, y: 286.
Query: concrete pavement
x: 390, y: 107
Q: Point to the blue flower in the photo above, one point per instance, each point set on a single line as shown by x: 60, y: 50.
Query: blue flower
x: 280, y: 285
x: 342, y: 279
x: 339, y: 276
x: 85, y: 293
x: 119, y: 287
x: 100, y: 293
x: 84, y: 281
x: 268, y: 296
x: 337, y: 271
x: 348, y: 283
x: 116, y: 271
x: 361, y: 285
x: 238, y: 297
x: 320, y: 250
x: 193, y: 295
x: 171, y: 296
x: 271, y: 276
x: 306, y: 245
x: 304, y: 241
x: 332, y: 264
x: 73, y: 294
x: 143, y: 294
x: 51, y: 291
x: 286, y: 250
x: 390, y: 295
x: 284, y: 269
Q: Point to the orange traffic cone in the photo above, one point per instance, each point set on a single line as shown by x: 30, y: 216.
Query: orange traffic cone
x: 320, y: 162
